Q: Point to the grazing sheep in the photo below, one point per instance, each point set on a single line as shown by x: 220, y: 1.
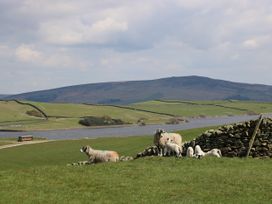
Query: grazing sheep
x: 214, y: 152
x: 161, y: 136
x: 190, y: 152
x: 170, y: 146
x: 97, y: 156
x: 198, y: 152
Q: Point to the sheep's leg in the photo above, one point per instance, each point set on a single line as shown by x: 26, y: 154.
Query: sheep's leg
x: 179, y: 153
x: 160, y: 151
x: 165, y: 151
x: 91, y: 159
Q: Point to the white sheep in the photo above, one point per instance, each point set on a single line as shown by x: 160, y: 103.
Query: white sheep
x: 198, y: 152
x: 170, y: 147
x: 214, y: 152
x: 97, y: 156
x: 190, y: 152
x: 160, y: 138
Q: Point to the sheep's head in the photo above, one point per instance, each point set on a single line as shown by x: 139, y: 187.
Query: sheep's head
x: 159, y: 132
x: 85, y: 149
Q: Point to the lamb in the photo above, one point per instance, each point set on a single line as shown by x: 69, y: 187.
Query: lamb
x: 160, y: 138
x: 97, y: 156
x: 190, y: 152
x: 214, y: 152
x: 198, y: 152
x: 172, y: 147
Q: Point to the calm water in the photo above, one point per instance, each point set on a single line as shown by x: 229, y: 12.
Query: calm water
x: 128, y: 130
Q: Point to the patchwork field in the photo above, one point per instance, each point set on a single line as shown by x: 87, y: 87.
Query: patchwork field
x: 62, y: 116
x: 205, y: 108
x: 38, y: 174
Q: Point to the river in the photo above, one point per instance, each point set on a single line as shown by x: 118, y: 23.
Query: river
x: 129, y: 130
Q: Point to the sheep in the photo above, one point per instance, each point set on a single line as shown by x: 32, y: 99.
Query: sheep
x: 97, y: 156
x: 198, y: 152
x: 172, y: 147
x: 214, y: 152
x: 161, y: 136
x: 190, y: 152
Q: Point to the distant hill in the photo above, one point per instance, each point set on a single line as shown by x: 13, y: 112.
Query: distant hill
x: 3, y: 96
x: 184, y: 88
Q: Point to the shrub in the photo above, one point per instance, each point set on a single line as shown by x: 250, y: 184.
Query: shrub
x: 176, y: 120
x: 34, y: 113
x: 141, y: 121
x: 98, y: 121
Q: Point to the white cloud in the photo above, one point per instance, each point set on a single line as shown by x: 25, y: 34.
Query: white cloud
x: 56, y: 60
x: 77, y: 32
x: 250, y: 43
x: 259, y: 41
x: 27, y: 54
x: 136, y: 39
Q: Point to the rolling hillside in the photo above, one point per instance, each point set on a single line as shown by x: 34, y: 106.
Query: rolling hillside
x: 3, y: 96
x: 18, y: 115
x: 179, y: 88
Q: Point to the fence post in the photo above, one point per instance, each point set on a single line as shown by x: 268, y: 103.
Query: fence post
x: 254, y: 134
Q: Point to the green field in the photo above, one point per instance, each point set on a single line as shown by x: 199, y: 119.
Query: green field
x: 205, y: 108
x: 38, y: 174
x: 61, y: 116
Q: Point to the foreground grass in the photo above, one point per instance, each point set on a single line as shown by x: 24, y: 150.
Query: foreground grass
x: 38, y: 174
x: 149, y: 180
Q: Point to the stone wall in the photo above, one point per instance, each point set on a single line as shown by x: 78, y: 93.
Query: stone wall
x: 233, y: 140
x: 149, y: 151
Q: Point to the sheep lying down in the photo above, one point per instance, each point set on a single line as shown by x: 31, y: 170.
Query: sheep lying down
x: 214, y: 152
x: 98, y: 156
x: 200, y: 153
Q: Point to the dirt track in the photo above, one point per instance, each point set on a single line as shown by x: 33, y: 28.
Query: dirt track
x: 15, y: 144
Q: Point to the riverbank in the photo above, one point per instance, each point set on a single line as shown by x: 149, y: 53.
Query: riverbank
x: 132, y: 130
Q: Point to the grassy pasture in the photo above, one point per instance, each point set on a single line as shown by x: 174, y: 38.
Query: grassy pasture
x: 12, y: 112
x: 205, y: 108
x: 61, y: 116
x: 38, y: 174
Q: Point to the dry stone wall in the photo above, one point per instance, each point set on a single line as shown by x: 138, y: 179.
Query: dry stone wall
x: 233, y: 140
x: 149, y: 151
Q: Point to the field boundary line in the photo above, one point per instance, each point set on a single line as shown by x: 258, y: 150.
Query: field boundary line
x: 203, y: 104
x: 29, y: 104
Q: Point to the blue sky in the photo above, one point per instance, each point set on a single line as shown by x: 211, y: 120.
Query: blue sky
x: 54, y: 43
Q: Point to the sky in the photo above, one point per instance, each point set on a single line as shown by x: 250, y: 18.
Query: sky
x: 47, y: 44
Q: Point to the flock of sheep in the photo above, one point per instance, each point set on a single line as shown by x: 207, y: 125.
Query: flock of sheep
x: 167, y: 144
